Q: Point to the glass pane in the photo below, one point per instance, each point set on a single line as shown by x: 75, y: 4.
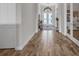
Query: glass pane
x: 76, y: 20
x: 68, y: 18
x: 50, y: 19
x: 44, y: 21
x: 45, y: 18
x: 45, y: 15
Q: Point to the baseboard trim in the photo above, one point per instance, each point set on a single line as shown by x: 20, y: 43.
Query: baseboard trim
x: 26, y: 42
x: 73, y: 39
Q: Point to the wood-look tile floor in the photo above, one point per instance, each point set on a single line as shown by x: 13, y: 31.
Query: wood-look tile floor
x: 46, y: 43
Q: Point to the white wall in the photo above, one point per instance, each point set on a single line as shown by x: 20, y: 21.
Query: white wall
x: 7, y: 36
x: 62, y: 19
x: 60, y: 15
x: 7, y: 25
x: 7, y: 13
x: 53, y: 15
x: 18, y: 24
x: 28, y: 24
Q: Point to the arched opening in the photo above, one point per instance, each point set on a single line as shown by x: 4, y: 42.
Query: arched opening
x: 47, y: 18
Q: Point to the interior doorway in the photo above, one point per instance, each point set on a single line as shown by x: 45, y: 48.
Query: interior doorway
x: 47, y: 21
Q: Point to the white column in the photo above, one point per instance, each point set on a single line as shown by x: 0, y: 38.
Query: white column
x: 71, y: 19
x: 37, y: 13
x: 55, y: 14
x: 60, y: 18
x: 65, y: 19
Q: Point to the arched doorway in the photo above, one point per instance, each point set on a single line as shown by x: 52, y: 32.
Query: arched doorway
x: 47, y: 18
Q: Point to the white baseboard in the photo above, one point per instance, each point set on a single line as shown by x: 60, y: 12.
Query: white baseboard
x: 26, y: 42
x: 73, y: 39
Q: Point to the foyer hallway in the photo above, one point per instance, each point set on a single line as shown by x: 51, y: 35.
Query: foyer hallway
x: 46, y: 43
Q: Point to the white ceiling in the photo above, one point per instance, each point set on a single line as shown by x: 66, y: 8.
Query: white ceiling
x: 47, y: 4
